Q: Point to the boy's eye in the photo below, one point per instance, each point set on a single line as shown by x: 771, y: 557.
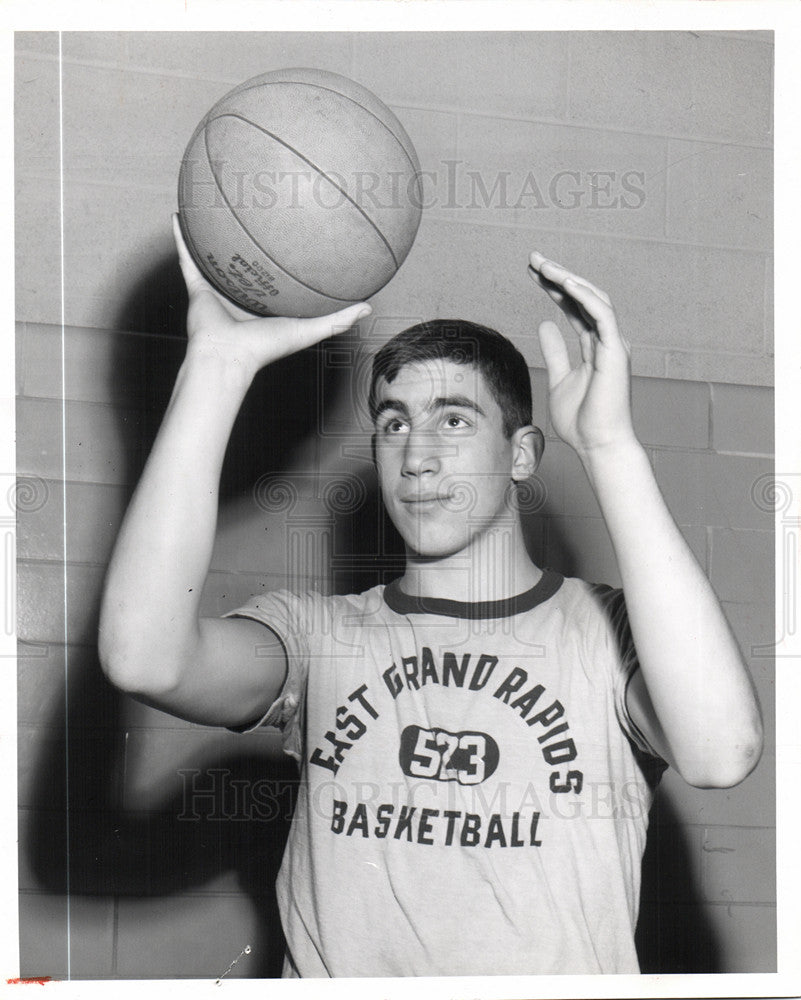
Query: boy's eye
x: 394, y: 426
x: 455, y: 421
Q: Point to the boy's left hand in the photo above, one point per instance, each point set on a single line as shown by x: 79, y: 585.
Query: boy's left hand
x: 590, y: 404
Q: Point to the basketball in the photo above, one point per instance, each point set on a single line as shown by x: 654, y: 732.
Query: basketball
x: 299, y: 193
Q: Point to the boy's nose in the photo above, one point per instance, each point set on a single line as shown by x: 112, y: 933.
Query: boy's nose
x: 421, y: 454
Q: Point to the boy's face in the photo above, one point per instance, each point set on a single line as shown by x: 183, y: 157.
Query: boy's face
x: 444, y: 462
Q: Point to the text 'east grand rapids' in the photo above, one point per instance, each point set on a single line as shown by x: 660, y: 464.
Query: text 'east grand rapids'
x: 461, y: 756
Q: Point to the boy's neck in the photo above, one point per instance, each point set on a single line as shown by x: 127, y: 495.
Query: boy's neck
x: 499, y: 569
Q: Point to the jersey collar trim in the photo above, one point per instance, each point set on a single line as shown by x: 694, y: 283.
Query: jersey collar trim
x: 406, y: 604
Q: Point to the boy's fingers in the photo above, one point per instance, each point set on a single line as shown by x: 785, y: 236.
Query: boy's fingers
x: 191, y: 272
x: 197, y: 282
x: 555, y: 292
x: 587, y: 344
x: 578, y: 318
x: 558, y: 274
x: 311, y: 331
x: 599, y: 310
x: 554, y: 351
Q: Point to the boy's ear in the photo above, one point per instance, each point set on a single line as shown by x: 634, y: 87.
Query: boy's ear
x: 528, y: 444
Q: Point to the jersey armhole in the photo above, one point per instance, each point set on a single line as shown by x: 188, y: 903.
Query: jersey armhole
x: 272, y: 716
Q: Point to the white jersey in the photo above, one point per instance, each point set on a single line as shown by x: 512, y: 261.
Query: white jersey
x: 474, y: 796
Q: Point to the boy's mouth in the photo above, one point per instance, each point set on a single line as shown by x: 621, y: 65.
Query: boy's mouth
x: 425, y: 499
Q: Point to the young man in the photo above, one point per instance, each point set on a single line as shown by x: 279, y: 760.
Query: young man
x: 478, y: 741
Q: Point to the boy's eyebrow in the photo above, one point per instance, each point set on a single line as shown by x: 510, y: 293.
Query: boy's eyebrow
x: 392, y: 404
x: 440, y: 403
x: 463, y: 402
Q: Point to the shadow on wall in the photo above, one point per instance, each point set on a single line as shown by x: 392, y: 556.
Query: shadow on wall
x: 119, y: 853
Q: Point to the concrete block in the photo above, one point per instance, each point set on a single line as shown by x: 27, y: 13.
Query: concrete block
x: 698, y: 366
x: 746, y: 937
x: 433, y: 134
x: 99, y: 151
x: 673, y: 297
x: 695, y: 537
x: 101, y: 444
x: 249, y: 539
x: 742, y: 565
x: 187, y: 937
x: 673, y: 938
x: 36, y: 106
x: 720, y: 194
x: 551, y: 477
x: 534, y: 532
x: 694, y: 937
x: 66, y: 937
x: 292, y: 550
x: 557, y: 177
x: 710, y: 489
x: 745, y: 36
x: 742, y: 418
x: 37, y: 249
x: 40, y: 685
x: 107, y: 47
x: 232, y: 57
x: 647, y: 362
x: 124, y: 275
x: 225, y: 591
x: 60, y: 686
x: 16, y: 355
x: 462, y: 70
x: 739, y: 864
x: 580, y: 546
x: 672, y: 863
x: 753, y: 802
x: 477, y: 273
x: 225, y: 884
x: 127, y: 129
x: 683, y: 83
x: 94, y: 513
x: 580, y: 499
x: 38, y: 785
x: 268, y: 528
x: 41, y: 603
x: 83, y: 766
x: 135, y: 715
x: 40, y: 42
x: 671, y: 413
x: 539, y: 398
x: 769, y: 329
x: 100, y: 366
x: 165, y: 768
x: 41, y: 833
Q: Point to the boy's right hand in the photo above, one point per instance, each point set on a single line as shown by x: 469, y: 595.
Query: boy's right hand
x: 218, y: 328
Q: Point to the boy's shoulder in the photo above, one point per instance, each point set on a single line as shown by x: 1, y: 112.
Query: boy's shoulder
x: 600, y: 594
x: 600, y: 602
x: 305, y: 607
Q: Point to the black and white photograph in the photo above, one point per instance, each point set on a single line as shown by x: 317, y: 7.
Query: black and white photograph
x: 397, y: 509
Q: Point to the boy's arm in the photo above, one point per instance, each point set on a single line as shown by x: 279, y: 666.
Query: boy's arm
x: 152, y: 642
x: 693, y: 697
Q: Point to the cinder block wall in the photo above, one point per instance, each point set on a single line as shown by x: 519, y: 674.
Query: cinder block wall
x: 159, y: 818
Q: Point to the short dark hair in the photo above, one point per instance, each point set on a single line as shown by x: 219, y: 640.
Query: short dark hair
x: 464, y: 343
